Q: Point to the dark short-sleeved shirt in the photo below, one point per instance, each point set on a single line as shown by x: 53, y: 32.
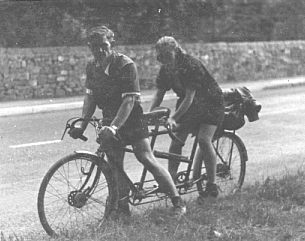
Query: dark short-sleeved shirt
x: 109, y: 86
x: 190, y: 73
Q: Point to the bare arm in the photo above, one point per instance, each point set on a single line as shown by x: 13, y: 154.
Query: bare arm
x: 185, y: 104
x: 124, y: 111
x: 157, y: 99
x: 89, y: 107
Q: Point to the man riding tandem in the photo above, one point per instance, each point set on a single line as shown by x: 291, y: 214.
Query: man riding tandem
x: 112, y: 85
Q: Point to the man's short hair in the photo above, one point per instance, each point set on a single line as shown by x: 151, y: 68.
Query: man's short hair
x: 100, y: 31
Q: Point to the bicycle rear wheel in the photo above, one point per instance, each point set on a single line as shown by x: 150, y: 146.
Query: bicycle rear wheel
x: 76, y: 193
x: 231, y: 158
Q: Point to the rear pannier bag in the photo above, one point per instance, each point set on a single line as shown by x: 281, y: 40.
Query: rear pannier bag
x: 238, y: 103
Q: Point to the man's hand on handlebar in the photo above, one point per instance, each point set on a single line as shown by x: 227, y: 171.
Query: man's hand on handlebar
x: 171, y: 123
x: 106, y: 133
x: 76, y: 132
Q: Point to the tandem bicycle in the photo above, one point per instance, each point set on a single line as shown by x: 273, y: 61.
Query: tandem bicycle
x: 79, y: 190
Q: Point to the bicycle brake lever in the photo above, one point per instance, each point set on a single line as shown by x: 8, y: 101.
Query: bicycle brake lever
x: 68, y: 126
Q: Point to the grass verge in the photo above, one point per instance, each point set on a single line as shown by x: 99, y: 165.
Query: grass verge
x: 271, y: 210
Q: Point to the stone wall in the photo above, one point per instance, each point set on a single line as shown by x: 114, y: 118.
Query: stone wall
x: 60, y: 71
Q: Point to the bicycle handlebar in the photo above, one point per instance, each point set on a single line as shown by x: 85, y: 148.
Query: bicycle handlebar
x: 72, y: 125
x: 82, y: 137
x: 95, y: 122
x: 172, y: 135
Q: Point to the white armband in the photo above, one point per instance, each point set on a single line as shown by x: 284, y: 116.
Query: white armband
x: 89, y: 92
x: 131, y: 93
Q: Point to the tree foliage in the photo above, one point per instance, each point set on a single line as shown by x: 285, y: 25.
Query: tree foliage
x: 63, y: 22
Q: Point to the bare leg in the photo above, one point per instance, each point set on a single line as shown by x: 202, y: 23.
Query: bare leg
x: 176, y: 148
x: 197, y: 163
x: 117, y: 155
x: 206, y: 152
x: 144, y: 154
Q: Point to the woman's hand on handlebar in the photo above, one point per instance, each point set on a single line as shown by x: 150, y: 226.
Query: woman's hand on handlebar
x: 171, y: 126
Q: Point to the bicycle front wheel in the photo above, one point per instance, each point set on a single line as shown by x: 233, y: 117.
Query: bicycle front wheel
x: 77, y: 193
x: 231, y: 158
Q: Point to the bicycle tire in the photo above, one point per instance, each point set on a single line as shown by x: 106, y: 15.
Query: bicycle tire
x: 82, y: 193
x: 231, y: 158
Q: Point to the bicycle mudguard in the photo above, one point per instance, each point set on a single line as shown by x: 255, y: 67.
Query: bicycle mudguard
x: 89, y: 153
x: 92, y: 155
x: 239, y: 142
x: 98, y: 159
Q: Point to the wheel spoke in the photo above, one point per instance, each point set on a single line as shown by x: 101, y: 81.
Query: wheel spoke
x: 59, y: 211
x: 65, y: 179
x: 62, y: 202
x: 230, y: 163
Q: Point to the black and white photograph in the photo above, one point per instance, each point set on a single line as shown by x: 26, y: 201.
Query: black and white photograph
x: 152, y: 120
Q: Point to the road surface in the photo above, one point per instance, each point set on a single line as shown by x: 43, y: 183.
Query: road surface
x: 31, y: 143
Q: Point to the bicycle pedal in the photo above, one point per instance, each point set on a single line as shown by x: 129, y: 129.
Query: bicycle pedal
x: 158, y: 189
x: 190, y: 182
x: 204, y: 177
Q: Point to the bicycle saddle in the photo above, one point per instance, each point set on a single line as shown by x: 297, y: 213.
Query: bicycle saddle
x: 153, y: 117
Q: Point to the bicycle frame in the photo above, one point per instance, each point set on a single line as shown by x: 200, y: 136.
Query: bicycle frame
x: 91, y: 179
x: 186, y: 183
x: 137, y: 189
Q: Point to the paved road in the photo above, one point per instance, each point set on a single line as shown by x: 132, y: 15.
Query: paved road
x: 29, y: 145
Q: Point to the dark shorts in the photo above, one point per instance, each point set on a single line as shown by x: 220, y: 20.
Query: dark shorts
x: 133, y: 130
x: 210, y: 116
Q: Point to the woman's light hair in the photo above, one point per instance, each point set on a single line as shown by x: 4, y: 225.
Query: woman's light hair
x: 168, y: 43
